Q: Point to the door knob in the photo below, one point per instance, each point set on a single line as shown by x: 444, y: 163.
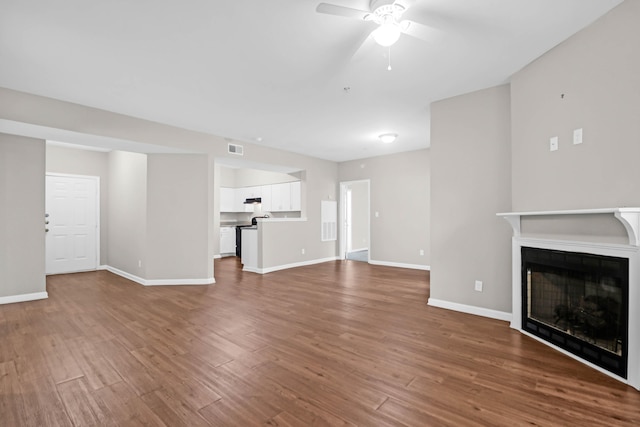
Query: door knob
x: 46, y: 230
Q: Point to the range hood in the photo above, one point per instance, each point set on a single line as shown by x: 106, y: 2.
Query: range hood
x: 253, y: 200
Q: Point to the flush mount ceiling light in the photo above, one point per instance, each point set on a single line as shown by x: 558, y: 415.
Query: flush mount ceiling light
x: 388, y: 138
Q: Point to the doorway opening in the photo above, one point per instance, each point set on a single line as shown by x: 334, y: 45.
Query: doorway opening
x: 355, y: 220
x: 72, y: 222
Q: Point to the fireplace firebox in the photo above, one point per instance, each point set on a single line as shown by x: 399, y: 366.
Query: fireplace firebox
x: 578, y: 302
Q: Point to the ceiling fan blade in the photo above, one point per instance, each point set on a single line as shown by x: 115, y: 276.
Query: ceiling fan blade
x: 332, y: 9
x: 405, y: 3
x: 419, y: 31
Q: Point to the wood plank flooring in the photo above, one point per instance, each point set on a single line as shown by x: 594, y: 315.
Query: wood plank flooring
x: 336, y: 344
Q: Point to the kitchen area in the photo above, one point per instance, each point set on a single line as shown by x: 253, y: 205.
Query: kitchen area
x: 248, y: 197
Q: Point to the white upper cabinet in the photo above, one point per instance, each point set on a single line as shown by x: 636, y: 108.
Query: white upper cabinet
x: 295, y: 196
x: 280, y: 197
x: 227, y: 199
x: 283, y: 197
x: 266, y: 198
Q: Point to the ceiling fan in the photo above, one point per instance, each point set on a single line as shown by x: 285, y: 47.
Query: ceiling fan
x: 387, y: 14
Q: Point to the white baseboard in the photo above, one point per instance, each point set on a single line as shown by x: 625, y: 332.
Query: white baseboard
x: 470, y: 309
x: 217, y: 256
x: 401, y: 265
x: 160, y: 282
x: 293, y: 265
x: 23, y: 297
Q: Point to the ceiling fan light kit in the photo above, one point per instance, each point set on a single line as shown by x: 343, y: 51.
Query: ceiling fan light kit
x: 387, y: 33
x: 385, y: 13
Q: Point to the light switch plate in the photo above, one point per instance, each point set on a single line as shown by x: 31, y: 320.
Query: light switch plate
x: 553, y: 143
x: 577, y: 136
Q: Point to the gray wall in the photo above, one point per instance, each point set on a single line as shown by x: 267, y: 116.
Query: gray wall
x: 22, y: 235
x: 399, y: 187
x: 598, y: 71
x: 128, y: 212
x: 470, y: 183
x: 319, y: 180
x: 83, y: 162
x: 178, y: 217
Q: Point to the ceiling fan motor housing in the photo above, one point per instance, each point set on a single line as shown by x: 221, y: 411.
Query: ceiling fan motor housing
x: 383, y: 9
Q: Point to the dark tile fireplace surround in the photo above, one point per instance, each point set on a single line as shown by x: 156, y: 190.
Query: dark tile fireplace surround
x: 578, y: 302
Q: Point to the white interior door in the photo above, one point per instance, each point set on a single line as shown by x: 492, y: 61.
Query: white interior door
x: 72, y: 208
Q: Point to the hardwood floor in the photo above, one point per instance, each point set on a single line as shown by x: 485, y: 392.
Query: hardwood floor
x: 340, y: 343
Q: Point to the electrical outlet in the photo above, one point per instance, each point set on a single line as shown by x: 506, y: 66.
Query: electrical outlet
x: 302, y: 251
x: 553, y: 144
x: 139, y: 263
x: 421, y: 252
x: 478, y: 285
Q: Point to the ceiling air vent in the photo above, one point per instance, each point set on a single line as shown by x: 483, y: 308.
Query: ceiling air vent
x: 235, y: 149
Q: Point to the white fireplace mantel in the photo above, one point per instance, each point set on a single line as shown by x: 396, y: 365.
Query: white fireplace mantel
x: 629, y: 217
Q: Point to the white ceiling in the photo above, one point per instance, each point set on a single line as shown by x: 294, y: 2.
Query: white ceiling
x: 276, y: 70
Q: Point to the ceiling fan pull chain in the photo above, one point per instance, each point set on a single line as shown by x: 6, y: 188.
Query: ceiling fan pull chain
x: 389, y: 67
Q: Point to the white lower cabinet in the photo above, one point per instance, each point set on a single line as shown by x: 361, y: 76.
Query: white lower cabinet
x: 227, y: 240
x: 249, y: 249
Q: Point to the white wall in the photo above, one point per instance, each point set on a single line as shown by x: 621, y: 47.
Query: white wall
x: 400, y: 193
x: 83, y: 162
x: 22, y: 209
x: 470, y: 183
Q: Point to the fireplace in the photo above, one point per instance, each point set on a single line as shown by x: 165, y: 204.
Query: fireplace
x: 578, y: 302
x: 576, y: 285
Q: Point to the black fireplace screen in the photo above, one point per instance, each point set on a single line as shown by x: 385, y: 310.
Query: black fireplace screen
x: 579, y: 303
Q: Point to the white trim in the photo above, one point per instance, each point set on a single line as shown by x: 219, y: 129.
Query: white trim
x: 470, y: 309
x: 631, y: 252
x: 578, y: 358
x: 23, y: 297
x: 102, y: 267
x: 217, y: 256
x: 293, y: 265
x: 572, y: 212
x: 160, y: 282
x: 271, y: 219
x: 629, y: 217
x: 401, y: 265
x: 342, y: 231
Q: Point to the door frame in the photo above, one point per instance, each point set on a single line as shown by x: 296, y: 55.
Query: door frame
x: 97, y: 181
x: 342, y: 217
